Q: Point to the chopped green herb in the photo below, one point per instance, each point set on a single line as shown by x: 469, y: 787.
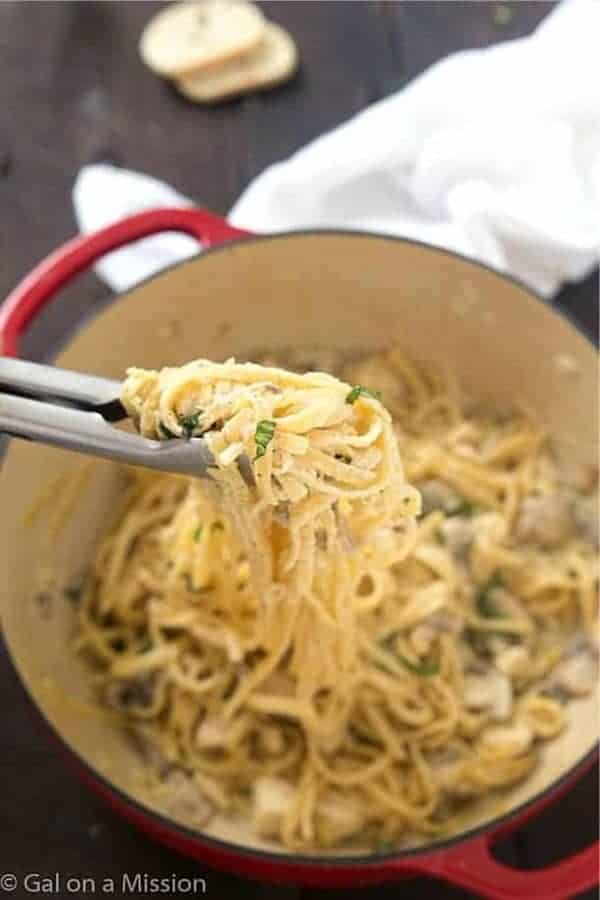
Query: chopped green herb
x: 198, y: 533
x: 385, y: 847
x: 464, y: 508
x: 439, y: 536
x: 485, y: 605
x: 423, y: 667
x: 190, y: 423
x: 343, y: 458
x: 263, y: 435
x: 359, y: 391
x: 146, y: 645
x: 477, y: 640
x: 165, y: 432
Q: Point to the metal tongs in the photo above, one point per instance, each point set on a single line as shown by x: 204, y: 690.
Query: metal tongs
x: 75, y: 411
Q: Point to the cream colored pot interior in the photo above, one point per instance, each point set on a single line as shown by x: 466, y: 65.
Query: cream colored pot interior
x: 345, y: 291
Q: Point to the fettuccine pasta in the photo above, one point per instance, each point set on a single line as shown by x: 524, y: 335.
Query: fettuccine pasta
x: 360, y: 620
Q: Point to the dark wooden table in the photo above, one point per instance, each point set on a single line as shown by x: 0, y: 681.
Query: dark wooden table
x: 72, y: 91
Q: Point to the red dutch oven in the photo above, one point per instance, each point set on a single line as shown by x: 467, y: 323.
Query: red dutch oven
x: 329, y: 288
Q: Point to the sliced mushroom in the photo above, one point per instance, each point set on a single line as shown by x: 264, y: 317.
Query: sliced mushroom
x: 458, y: 533
x: 447, y: 621
x: 128, y: 693
x: 181, y: 798
x: 422, y: 637
x: 437, y: 495
x: 147, y: 746
x: 577, y: 675
x: 444, y: 621
x: 490, y: 693
x: 508, y: 740
x: 546, y: 520
x: 447, y: 770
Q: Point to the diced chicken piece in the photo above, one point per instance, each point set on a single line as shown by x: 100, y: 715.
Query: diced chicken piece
x: 437, y: 495
x: 577, y: 675
x: 510, y: 740
x: 478, y: 692
x: 449, y: 779
x: 182, y: 799
x: 490, y: 692
x: 272, y: 799
x: 513, y: 661
x: 585, y: 514
x: 458, y: 533
x: 546, y: 520
x: 211, y: 733
x: 338, y: 818
x: 578, y: 476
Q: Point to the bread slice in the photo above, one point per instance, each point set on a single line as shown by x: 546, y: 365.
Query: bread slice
x: 187, y: 37
x: 271, y: 62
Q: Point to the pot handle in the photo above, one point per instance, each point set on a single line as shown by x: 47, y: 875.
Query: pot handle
x: 40, y: 285
x: 472, y: 866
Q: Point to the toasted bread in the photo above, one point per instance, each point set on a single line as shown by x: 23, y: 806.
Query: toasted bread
x: 271, y: 62
x: 192, y: 36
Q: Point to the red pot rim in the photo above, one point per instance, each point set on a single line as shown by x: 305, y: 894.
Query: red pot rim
x: 21, y: 306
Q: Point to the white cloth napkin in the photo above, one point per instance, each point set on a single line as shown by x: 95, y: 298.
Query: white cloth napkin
x: 494, y: 153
